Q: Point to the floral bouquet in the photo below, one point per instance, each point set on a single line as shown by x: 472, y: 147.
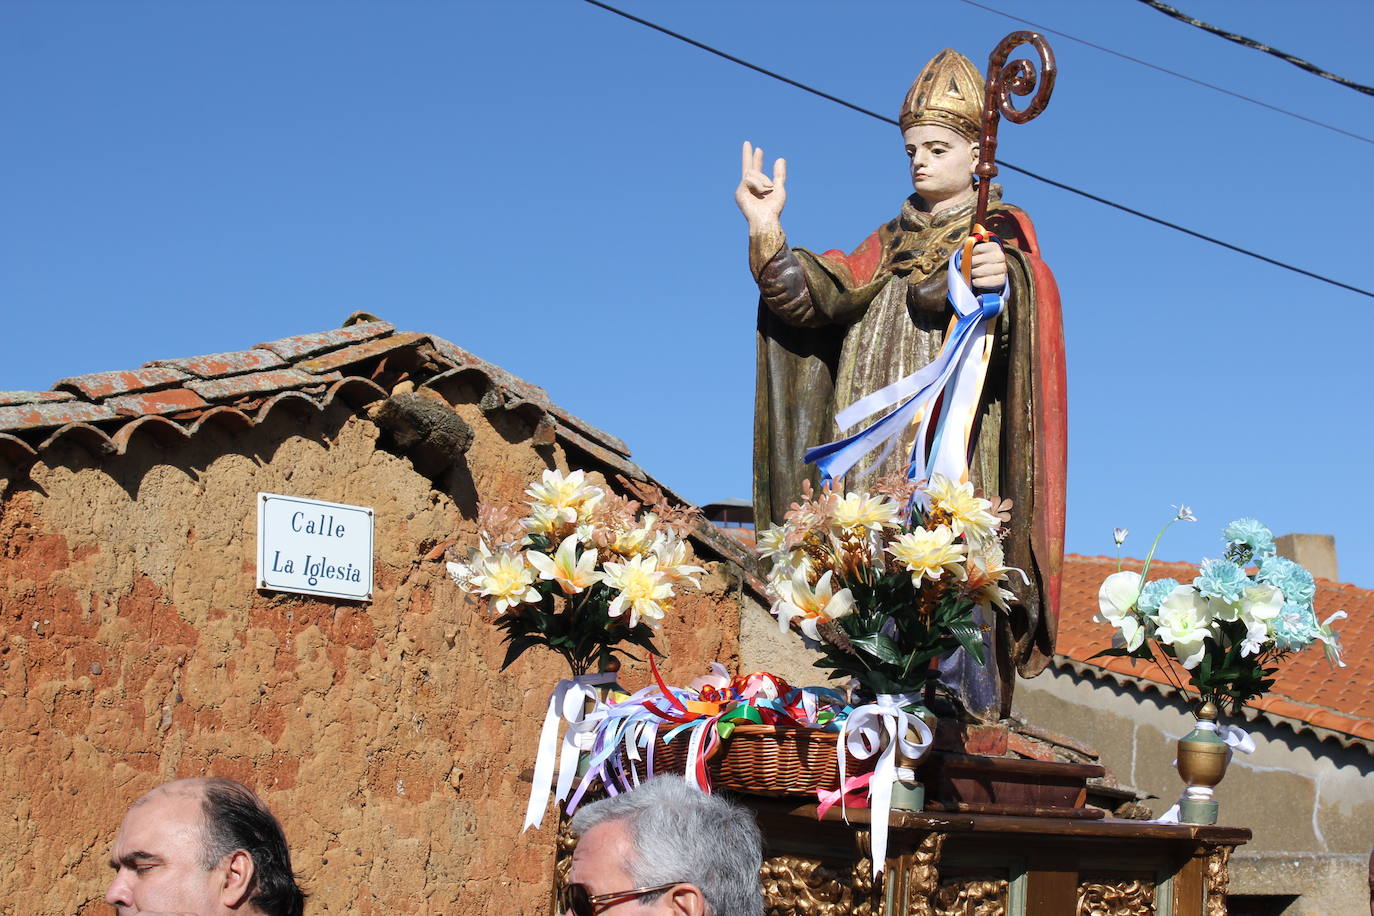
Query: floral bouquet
x: 583, y: 572
x: 890, y: 580
x: 1229, y: 628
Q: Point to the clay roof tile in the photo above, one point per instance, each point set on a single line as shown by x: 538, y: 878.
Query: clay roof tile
x: 99, y: 385
x: 302, y: 346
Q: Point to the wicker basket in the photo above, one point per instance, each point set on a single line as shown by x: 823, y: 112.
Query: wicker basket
x: 766, y: 760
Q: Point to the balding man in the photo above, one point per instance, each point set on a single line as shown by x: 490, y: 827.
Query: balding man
x: 202, y: 847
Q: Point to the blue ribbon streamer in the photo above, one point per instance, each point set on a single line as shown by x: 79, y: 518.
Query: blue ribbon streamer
x: 921, y: 389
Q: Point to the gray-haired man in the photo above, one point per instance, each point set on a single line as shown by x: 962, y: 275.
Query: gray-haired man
x: 665, y: 849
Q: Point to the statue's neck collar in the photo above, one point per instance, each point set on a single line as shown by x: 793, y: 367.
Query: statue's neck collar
x: 914, y: 218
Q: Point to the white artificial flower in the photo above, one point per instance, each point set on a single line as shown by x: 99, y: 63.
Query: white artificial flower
x: 930, y: 554
x: 1260, y: 604
x: 572, y: 572
x: 796, y: 598
x: 672, y: 560
x: 1331, y: 643
x: 1256, y: 635
x: 1116, y: 601
x: 1184, y: 624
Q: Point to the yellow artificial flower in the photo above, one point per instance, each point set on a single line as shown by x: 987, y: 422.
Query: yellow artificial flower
x: 859, y: 511
x: 506, y: 580
x: 572, y: 572
x: 985, y: 577
x: 542, y: 519
x: 969, y: 514
x: 642, y: 588
x: 632, y: 542
x: 930, y: 554
x: 671, y: 554
x: 570, y: 496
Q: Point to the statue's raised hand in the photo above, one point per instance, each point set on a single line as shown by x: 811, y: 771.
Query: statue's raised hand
x: 761, y: 198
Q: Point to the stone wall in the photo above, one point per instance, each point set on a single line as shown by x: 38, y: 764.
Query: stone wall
x: 134, y: 649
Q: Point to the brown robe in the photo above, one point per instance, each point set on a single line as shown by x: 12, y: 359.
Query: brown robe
x: 835, y: 327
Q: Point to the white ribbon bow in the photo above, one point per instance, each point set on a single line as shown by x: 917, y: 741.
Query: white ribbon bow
x: 567, y: 703
x: 862, y: 734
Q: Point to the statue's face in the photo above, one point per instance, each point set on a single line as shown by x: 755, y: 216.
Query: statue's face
x: 942, y: 163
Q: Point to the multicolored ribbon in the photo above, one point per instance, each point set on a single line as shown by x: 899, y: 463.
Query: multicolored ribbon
x: 568, y: 703
x: 627, y: 732
x: 881, y: 728
x: 956, y: 375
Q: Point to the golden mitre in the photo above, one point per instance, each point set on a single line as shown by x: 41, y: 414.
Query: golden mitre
x: 948, y: 92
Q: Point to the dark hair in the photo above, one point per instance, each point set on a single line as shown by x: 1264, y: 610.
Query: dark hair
x: 235, y: 819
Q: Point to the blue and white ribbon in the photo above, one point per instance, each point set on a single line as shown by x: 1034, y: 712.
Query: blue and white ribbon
x: 567, y: 703
x: 881, y: 728
x: 957, y: 373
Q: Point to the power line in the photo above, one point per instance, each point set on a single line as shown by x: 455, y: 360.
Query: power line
x: 1002, y: 162
x: 1251, y: 43
x: 1175, y: 73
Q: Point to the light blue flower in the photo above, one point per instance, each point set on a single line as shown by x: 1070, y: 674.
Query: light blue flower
x: 1247, y: 532
x: 1295, y: 627
x: 1222, y: 579
x: 1153, y: 593
x: 1296, y: 583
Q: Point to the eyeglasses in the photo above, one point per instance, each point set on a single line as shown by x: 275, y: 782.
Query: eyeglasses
x: 577, y: 901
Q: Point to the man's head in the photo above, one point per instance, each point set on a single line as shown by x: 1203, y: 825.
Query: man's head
x: 207, y: 847
x: 701, y: 852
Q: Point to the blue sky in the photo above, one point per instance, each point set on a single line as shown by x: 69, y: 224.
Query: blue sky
x: 549, y: 186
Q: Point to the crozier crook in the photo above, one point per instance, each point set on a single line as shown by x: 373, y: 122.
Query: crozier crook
x: 1004, y: 81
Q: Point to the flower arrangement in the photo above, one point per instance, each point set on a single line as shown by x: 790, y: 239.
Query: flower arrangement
x: 584, y: 571
x: 1241, y: 616
x: 889, y: 580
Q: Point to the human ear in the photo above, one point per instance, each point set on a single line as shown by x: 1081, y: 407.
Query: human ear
x: 685, y: 900
x: 238, y: 879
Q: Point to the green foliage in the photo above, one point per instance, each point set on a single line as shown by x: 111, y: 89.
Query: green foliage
x: 893, y: 635
x: 1230, y: 679
x: 578, y: 627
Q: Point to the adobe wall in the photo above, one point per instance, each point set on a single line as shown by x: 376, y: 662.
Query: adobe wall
x: 135, y: 649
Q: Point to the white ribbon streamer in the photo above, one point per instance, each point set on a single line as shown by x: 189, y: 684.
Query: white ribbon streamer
x: 957, y: 374
x: 568, y: 704
x: 862, y: 735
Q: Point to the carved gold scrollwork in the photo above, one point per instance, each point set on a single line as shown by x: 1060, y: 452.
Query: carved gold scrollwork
x: 1115, y: 895
x: 799, y: 886
x: 1216, y: 878
x: 917, y: 877
x: 563, y: 845
x: 971, y: 895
